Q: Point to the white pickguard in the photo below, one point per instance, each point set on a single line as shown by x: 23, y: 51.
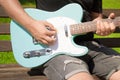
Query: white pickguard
x: 64, y: 44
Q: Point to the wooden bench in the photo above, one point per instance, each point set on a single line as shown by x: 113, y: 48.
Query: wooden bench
x: 16, y: 72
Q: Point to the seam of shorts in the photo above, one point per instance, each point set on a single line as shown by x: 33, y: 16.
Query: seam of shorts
x: 74, y: 72
x: 56, y: 71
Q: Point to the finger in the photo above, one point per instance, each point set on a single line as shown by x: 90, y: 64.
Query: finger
x: 102, y: 28
x: 47, y: 24
x: 47, y: 40
x: 111, y: 16
x: 51, y: 34
x: 50, y: 28
x: 98, y: 27
x: 43, y: 42
x: 112, y: 27
x: 107, y: 28
x: 50, y: 40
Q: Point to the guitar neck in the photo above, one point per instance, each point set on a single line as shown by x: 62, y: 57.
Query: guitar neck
x: 90, y: 26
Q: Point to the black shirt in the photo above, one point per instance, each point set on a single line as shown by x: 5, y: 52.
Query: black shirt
x: 52, y: 5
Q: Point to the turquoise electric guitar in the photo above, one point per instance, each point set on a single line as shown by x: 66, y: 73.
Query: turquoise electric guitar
x: 29, y: 53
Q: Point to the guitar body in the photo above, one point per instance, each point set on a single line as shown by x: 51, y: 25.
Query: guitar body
x: 22, y: 41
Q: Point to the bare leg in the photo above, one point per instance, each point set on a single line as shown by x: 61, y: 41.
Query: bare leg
x: 81, y: 76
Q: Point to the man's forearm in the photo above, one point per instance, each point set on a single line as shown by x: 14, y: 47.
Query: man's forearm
x: 15, y: 11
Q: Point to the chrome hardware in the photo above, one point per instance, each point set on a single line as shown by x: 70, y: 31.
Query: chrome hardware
x: 37, y: 53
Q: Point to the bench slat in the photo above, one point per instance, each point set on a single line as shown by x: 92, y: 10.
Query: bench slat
x: 108, y: 11
x: 4, y: 29
x: 5, y: 46
x: 110, y: 42
x: 3, y: 13
x: 24, y: 78
x: 15, y: 72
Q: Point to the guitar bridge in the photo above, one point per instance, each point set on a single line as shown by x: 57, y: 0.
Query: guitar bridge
x: 37, y: 53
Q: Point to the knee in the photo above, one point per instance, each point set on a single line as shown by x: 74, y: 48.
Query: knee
x: 81, y: 76
x: 115, y: 76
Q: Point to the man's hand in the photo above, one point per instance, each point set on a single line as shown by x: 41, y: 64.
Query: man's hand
x: 105, y: 28
x: 39, y: 30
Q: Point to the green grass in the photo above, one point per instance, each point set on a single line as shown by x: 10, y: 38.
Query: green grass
x: 117, y: 49
x: 4, y: 20
x: 111, y: 4
x: 4, y: 37
x: 27, y: 3
x: 7, y: 57
x: 113, y: 35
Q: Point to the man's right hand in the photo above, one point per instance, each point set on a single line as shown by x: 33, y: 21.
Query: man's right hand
x: 39, y: 30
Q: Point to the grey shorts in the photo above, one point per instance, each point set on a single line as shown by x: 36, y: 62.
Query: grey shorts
x: 100, y: 61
